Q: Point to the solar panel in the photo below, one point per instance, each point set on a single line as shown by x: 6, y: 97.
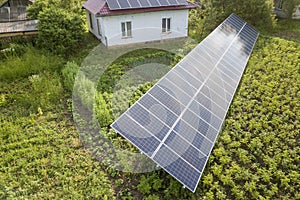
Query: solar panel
x: 177, y: 122
x: 132, y: 4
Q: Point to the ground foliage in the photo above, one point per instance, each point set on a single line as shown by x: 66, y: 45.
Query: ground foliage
x: 41, y: 155
x: 20, y: 61
x: 287, y: 29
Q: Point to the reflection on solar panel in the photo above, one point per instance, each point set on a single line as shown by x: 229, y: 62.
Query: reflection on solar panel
x: 130, y: 4
x: 177, y: 121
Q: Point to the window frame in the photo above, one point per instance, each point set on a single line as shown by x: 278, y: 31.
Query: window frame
x: 166, y: 25
x: 99, y: 27
x: 126, y: 29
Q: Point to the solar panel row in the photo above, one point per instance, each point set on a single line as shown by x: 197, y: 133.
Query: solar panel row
x: 177, y: 121
x: 130, y: 4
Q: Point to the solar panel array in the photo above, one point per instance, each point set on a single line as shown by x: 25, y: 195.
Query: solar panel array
x: 131, y: 4
x: 177, y: 121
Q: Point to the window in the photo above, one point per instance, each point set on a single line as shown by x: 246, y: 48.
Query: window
x: 126, y: 29
x: 91, y: 21
x: 99, y: 27
x: 166, y: 25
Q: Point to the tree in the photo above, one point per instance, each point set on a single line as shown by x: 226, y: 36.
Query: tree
x: 212, y: 12
x: 60, y: 31
x: 61, y: 24
x: 39, y: 5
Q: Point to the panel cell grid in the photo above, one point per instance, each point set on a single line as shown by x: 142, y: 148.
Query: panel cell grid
x: 177, y: 122
x: 177, y: 167
x: 132, y: 4
x: 159, y: 110
x: 178, y: 93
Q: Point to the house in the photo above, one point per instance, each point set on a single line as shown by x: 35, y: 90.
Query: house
x: 14, y: 20
x: 118, y: 22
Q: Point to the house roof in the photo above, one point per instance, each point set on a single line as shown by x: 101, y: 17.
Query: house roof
x: 5, y: 1
x: 100, y: 7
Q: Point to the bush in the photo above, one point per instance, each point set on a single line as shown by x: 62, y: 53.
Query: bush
x: 69, y: 74
x: 103, y: 110
x: 60, y: 31
x: 84, y: 90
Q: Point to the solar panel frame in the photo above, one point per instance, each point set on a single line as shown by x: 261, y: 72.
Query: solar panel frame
x: 204, y: 97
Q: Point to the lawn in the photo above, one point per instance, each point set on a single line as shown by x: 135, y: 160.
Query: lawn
x: 256, y: 155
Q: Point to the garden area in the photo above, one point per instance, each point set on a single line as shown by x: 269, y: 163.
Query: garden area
x: 257, y: 154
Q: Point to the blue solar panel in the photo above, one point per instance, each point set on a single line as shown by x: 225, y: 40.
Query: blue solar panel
x: 113, y: 4
x: 132, y: 4
x: 177, y: 122
x: 135, y: 3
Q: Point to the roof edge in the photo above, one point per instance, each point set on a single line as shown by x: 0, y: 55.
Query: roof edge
x: 105, y: 11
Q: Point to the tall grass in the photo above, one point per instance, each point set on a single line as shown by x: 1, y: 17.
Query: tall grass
x: 26, y: 63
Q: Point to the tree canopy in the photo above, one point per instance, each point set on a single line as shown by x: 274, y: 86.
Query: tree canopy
x: 213, y: 12
x: 61, y: 24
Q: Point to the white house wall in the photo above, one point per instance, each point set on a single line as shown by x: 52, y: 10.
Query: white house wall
x: 94, y: 28
x: 145, y: 27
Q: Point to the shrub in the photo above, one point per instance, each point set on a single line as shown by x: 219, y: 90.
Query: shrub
x: 60, y: 31
x: 103, y: 110
x: 69, y: 74
x: 84, y: 90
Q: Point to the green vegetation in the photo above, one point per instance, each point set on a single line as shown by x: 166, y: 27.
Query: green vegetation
x: 287, y: 29
x: 212, y: 12
x: 20, y: 61
x: 42, y: 156
x: 59, y: 31
x: 61, y: 24
x: 289, y: 6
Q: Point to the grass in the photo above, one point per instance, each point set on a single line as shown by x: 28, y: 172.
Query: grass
x: 42, y: 158
x: 287, y: 29
x: 41, y: 155
x: 22, y: 61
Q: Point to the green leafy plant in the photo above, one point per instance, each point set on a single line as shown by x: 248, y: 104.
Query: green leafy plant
x: 69, y: 74
x: 60, y: 31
